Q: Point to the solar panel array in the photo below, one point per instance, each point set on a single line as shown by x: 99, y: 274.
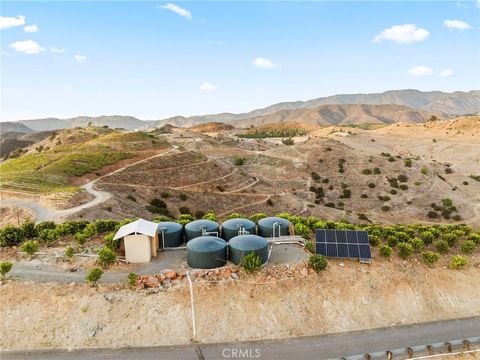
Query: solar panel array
x: 345, y: 244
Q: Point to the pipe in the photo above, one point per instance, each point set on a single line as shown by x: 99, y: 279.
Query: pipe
x: 192, y: 302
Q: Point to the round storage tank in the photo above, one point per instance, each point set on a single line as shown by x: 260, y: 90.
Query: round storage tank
x: 231, y: 228
x: 199, y: 228
x: 242, y: 245
x: 267, y: 227
x: 170, y: 233
x: 206, y: 252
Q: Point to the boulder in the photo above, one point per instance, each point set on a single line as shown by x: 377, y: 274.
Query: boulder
x: 152, y: 281
x: 171, y: 275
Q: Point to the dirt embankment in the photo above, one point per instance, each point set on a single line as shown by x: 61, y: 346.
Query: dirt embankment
x: 343, y: 298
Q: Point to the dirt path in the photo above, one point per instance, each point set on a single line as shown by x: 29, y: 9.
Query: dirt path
x: 43, y: 213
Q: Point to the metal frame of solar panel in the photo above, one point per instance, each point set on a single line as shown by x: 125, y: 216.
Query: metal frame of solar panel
x: 343, y: 244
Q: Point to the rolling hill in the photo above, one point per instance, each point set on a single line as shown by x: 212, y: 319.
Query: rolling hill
x: 450, y: 104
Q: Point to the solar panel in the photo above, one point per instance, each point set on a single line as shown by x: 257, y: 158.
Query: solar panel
x: 344, y: 244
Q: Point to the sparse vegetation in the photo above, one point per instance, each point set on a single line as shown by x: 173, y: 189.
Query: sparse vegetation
x: 430, y: 257
x: 5, y: 268
x: 386, y: 251
x: 93, y: 276
x: 30, y: 247
x: 251, y: 262
x: 238, y: 161
x: 317, y: 262
x: 457, y: 262
x: 132, y: 279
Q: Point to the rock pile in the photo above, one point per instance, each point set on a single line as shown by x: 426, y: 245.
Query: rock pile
x: 167, y: 279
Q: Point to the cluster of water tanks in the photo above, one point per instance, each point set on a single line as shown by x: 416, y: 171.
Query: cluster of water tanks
x: 207, y: 248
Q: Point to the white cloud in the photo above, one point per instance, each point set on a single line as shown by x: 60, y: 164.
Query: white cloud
x: 456, y: 24
x: 178, y: 10
x: 27, y: 47
x: 30, y: 28
x: 207, y: 87
x: 420, y: 71
x: 79, y: 58
x: 447, y: 73
x: 57, y: 50
x: 8, y: 22
x: 402, y: 34
x: 264, y: 63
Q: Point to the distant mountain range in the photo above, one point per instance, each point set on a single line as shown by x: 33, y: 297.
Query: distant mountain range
x: 387, y: 107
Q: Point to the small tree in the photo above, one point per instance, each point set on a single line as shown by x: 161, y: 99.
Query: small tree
x: 81, y: 238
x: 93, y: 276
x: 302, y: 230
x: 29, y: 230
x: 106, y: 256
x: 317, y: 262
x: 386, y: 251
x: 405, y: 249
x: 132, y: 279
x: 442, y: 246
x: 30, y: 247
x: 238, y: 161
x: 5, y: 267
x: 310, y: 246
x: 430, y: 257
x: 11, y: 235
x: 69, y: 252
x: 468, y: 246
x: 457, y: 262
x: 49, y: 236
x: 251, y: 262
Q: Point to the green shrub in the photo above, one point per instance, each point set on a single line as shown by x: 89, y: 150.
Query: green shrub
x: 430, y: 257
x: 386, y: 251
x: 442, y: 246
x: 93, y: 276
x: 457, y: 262
x: 450, y: 238
x: 49, y: 236
x: 417, y: 244
x: 408, y: 162
x: 302, y: 230
x: 374, y: 240
x: 251, y: 262
x: 199, y: 214
x: 132, y: 279
x: 367, y: 172
x: 310, y: 246
x: 183, y: 197
x: 165, y: 194
x: 81, y: 238
x: 364, y: 196
x: 106, y: 256
x: 131, y: 198
x: 256, y: 217
x: 234, y: 216
x: 424, y: 170
x: 376, y: 171
x: 371, y: 185
x: 184, y: 210
x: 475, y: 238
x: 45, y: 225
x: 317, y: 262
x: 288, y: 141
x: 402, y: 178
x: 405, y: 250
x: 69, y: 252
x: 30, y: 247
x: 210, y: 216
x: 5, y: 268
x: 403, y: 187
x: 392, y: 240
x: 238, y: 161
x: 11, y: 236
x: 468, y: 246
x: 427, y: 237
x: 184, y: 219
x: 29, y: 230
x: 385, y: 208
x: 432, y: 214
x: 158, y: 203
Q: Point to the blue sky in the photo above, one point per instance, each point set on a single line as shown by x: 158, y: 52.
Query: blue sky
x: 158, y: 59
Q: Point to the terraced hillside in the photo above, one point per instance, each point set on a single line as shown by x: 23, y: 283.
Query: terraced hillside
x: 53, y: 164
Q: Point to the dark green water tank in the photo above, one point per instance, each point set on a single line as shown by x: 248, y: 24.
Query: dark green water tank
x: 198, y: 227
x: 268, y: 225
x: 171, y: 233
x: 242, y: 245
x: 206, y: 252
x: 230, y: 228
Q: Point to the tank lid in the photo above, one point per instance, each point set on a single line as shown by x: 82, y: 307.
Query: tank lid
x: 206, y: 244
x: 234, y: 223
x: 248, y: 242
x: 169, y: 226
x: 199, y: 224
x: 269, y: 221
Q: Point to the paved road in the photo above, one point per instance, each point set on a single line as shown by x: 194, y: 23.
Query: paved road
x: 318, y: 347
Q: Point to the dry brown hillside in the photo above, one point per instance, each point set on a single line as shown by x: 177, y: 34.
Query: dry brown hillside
x: 342, y: 115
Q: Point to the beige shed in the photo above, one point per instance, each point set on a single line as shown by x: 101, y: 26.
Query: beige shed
x: 141, y: 240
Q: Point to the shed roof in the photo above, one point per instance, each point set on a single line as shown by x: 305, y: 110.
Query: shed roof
x: 139, y: 226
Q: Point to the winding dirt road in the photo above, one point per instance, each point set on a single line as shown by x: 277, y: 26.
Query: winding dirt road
x: 43, y: 213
